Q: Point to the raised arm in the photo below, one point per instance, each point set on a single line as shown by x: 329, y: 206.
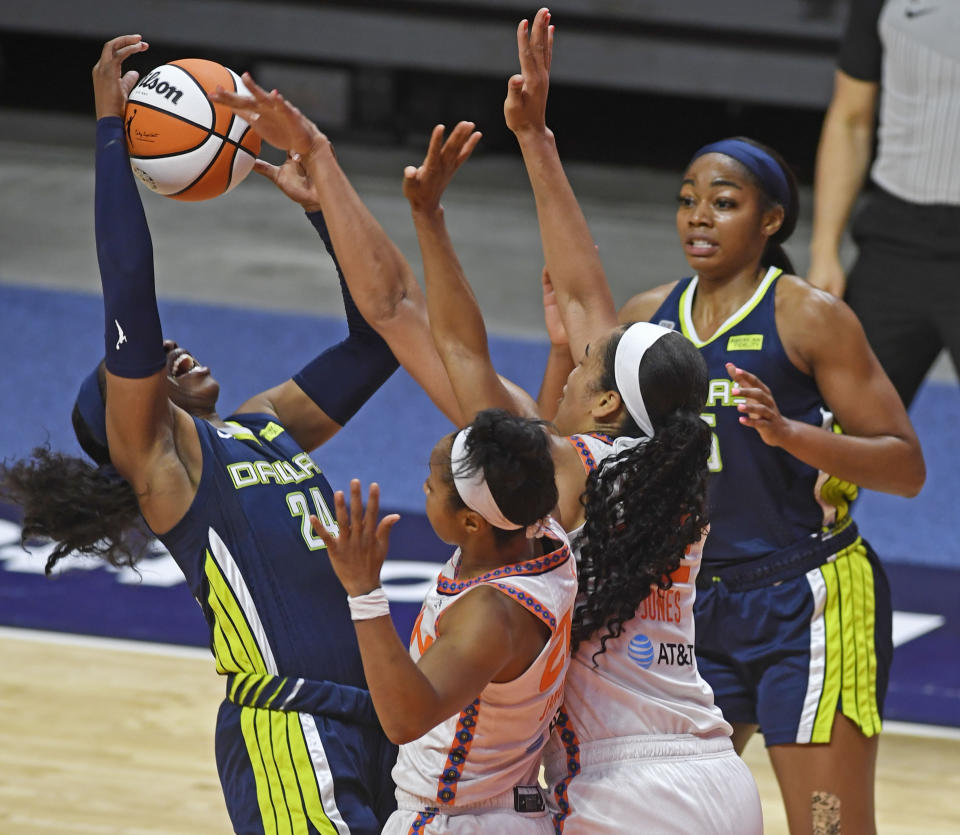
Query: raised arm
x: 583, y: 294
x: 559, y: 361
x: 843, y: 156
x: 380, y: 279
x: 456, y: 322
x: 153, y: 444
x: 318, y: 400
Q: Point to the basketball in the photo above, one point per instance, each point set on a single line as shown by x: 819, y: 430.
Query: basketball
x: 181, y: 144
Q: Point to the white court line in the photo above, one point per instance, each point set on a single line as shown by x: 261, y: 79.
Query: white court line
x: 175, y: 651
x: 95, y: 642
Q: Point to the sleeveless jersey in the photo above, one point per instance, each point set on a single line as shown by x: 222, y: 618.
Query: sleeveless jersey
x: 646, y: 682
x: 495, y: 742
x: 252, y: 561
x: 761, y: 499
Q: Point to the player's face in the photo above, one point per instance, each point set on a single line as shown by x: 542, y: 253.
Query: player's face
x: 722, y: 217
x: 574, y: 413
x: 189, y: 384
x: 442, y: 515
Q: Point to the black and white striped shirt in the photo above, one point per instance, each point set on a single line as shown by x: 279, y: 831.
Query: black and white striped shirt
x: 912, y: 48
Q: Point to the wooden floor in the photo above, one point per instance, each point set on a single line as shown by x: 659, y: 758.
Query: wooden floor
x: 115, y: 737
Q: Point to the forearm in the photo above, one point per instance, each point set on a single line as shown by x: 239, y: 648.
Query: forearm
x: 405, y: 700
x: 133, y: 340
x: 576, y: 271
x: 379, y: 278
x: 559, y: 365
x: 885, y: 463
x: 843, y: 158
x: 456, y: 322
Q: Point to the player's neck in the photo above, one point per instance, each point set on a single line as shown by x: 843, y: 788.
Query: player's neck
x: 719, y: 297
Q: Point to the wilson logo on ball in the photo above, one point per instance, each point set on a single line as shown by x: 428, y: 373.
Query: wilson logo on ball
x: 160, y: 87
x: 182, y: 144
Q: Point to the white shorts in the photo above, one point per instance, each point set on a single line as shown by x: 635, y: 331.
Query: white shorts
x: 653, y: 785
x: 495, y: 815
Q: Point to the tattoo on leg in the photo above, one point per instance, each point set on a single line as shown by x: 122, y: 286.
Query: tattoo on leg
x: 825, y: 812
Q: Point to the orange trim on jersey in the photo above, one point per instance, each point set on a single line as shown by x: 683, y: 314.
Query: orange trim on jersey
x: 541, y: 565
x: 458, y: 753
x: 420, y: 822
x: 586, y: 457
x: 681, y: 575
x: 529, y: 602
x: 571, y: 743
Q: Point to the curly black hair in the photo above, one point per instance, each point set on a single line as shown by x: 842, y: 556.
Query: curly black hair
x: 514, y: 454
x: 645, y: 505
x: 81, y: 507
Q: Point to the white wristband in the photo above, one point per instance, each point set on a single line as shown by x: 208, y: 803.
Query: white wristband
x: 374, y: 604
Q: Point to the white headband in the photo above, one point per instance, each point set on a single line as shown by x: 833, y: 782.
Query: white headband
x: 634, y: 343
x: 475, y: 491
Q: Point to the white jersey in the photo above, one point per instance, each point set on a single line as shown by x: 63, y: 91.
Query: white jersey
x: 495, y: 742
x: 646, y: 682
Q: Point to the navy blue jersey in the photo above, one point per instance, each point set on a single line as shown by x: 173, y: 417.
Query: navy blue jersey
x: 761, y: 498
x: 251, y: 559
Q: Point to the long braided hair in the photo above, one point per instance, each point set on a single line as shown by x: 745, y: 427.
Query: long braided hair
x: 645, y: 505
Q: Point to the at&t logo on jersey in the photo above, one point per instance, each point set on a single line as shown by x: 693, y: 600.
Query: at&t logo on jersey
x: 640, y: 651
x: 679, y: 654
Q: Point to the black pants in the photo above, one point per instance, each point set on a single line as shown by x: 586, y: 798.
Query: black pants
x: 905, y: 285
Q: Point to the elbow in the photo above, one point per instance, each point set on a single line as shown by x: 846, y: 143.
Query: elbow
x: 916, y: 478
x: 402, y: 731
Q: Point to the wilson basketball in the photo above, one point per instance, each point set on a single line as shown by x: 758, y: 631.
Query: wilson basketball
x: 181, y: 144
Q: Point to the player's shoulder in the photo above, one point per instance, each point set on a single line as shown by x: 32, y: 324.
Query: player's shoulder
x: 800, y: 304
x: 642, y: 306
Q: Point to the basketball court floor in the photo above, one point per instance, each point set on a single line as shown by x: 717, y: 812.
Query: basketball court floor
x: 107, y: 698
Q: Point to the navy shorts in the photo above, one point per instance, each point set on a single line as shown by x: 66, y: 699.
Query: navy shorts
x: 788, y: 654
x: 283, y: 771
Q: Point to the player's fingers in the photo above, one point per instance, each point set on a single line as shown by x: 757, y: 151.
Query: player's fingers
x: 373, y: 508
x: 328, y: 538
x: 129, y: 81
x: 356, y: 504
x: 114, y: 45
x: 538, y: 34
x: 468, y: 147
x: 340, y: 510
x: 131, y: 49
x: 384, y: 528
x: 255, y: 89
x: 436, y: 142
x: 271, y: 172
x: 548, y: 53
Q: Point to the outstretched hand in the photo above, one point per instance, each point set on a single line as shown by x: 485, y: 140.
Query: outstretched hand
x: 358, y: 552
x: 271, y: 116
x: 525, y: 108
x: 425, y: 185
x: 292, y: 179
x: 759, y: 409
x: 110, y: 86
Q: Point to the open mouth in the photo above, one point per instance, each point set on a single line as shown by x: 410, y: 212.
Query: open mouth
x: 184, y: 364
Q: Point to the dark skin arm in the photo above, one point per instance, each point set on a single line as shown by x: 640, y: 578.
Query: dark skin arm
x: 576, y: 271
x: 153, y: 444
x: 879, y: 449
x: 456, y: 321
x: 485, y: 636
x: 560, y: 361
x: 380, y: 279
